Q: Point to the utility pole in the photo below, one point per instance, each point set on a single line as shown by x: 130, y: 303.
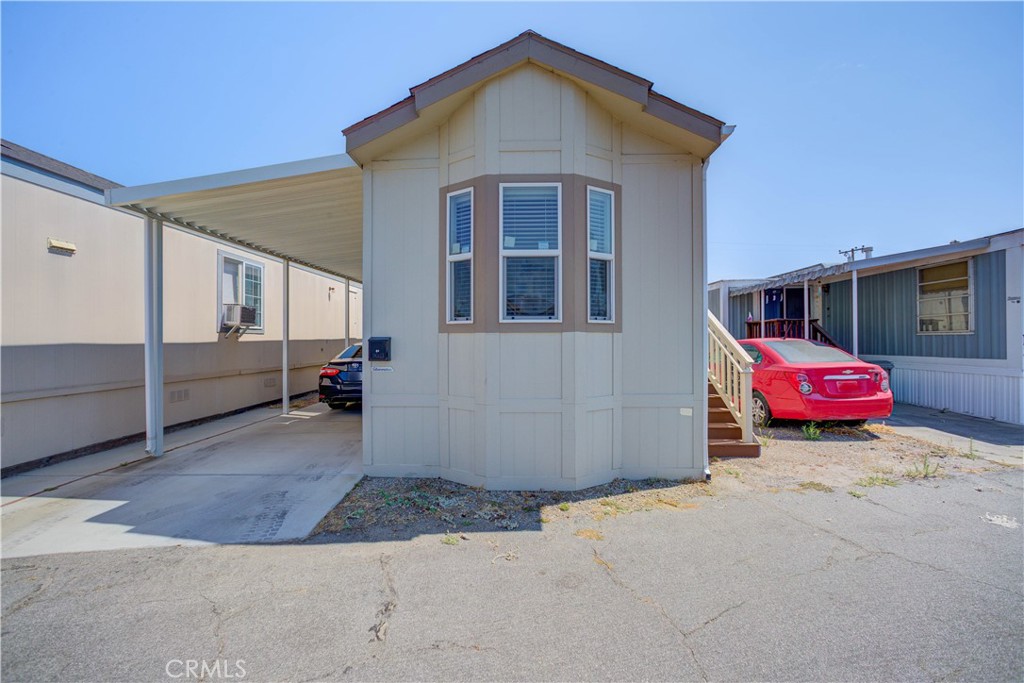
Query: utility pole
x: 851, y: 254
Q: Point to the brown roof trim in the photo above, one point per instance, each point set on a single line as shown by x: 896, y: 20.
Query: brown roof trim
x: 54, y: 167
x: 684, y: 117
x: 531, y: 46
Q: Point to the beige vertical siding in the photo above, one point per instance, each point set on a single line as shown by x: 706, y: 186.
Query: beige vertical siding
x: 553, y: 409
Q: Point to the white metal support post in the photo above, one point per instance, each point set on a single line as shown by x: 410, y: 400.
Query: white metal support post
x: 154, y: 340
x: 761, y: 312
x: 855, y: 314
x: 348, y: 298
x: 807, y: 313
x: 285, y: 311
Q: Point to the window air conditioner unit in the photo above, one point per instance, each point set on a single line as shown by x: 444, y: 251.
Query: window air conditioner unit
x: 236, y: 315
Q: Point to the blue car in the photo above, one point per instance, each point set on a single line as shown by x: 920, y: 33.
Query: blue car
x: 341, y: 380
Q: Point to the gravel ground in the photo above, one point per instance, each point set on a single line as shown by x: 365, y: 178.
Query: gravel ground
x: 842, y: 458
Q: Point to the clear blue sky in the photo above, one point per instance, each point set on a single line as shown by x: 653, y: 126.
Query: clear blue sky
x: 893, y: 125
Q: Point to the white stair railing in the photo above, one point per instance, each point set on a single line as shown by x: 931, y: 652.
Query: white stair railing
x: 729, y: 370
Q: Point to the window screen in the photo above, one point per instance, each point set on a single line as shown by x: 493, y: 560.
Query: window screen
x: 460, y: 224
x: 530, y: 247
x: 600, y: 249
x: 460, y: 256
x: 530, y: 218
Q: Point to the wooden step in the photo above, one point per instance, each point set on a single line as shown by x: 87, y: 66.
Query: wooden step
x: 716, y: 401
x: 732, y: 448
x: 724, y: 430
x: 719, y: 415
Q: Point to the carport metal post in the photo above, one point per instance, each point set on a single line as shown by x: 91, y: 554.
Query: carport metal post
x: 854, y: 315
x: 154, y: 340
x: 348, y: 295
x: 761, y: 312
x: 285, y: 310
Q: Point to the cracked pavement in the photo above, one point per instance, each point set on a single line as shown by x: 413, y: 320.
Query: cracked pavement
x: 913, y: 583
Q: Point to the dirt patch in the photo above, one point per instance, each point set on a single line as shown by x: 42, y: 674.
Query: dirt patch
x: 843, y: 457
x: 384, y: 507
x: 854, y: 460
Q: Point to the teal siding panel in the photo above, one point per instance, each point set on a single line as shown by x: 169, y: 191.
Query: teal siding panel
x: 888, y: 315
x: 714, y: 304
x: 739, y: 308
x: 836, y: 318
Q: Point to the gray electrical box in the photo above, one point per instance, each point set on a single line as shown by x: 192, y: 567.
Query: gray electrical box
x: 380, y: 348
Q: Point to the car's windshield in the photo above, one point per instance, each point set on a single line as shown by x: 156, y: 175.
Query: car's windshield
x: 354, y: 351
x: 800, y: 351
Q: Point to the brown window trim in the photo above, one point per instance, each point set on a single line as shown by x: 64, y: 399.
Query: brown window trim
x: 575, y: 257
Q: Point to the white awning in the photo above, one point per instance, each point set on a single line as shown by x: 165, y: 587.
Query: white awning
x: 310, y: 211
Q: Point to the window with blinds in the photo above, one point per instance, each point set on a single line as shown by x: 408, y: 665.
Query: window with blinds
x: 531, y: 256
x: 944, y: 298
x: 460, y: 256
x: 600, y: 255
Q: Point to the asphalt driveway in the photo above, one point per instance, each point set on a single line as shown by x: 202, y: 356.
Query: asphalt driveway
x: 918, y: 582
x: 258, y: 476
x: 862, y: 557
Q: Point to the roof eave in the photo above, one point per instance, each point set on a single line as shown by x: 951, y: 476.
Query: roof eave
x: 878, y: 263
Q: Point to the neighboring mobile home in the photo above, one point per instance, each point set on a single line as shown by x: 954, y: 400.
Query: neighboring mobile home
x: 72, y: 336
x: 947, y: 320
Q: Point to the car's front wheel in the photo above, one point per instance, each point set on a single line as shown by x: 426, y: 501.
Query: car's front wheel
x: 760, y: 413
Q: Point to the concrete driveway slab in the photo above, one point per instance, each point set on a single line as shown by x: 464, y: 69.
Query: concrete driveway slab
x: 269, y: 480
x: 989, y: 439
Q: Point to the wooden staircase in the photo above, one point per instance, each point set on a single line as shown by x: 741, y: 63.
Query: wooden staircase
x: 725, y: 436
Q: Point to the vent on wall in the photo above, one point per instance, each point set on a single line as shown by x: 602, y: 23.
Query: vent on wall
x: 178, y: 395
x: 60, y: 247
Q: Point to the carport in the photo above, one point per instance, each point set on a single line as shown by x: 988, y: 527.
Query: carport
x: 306, y: 214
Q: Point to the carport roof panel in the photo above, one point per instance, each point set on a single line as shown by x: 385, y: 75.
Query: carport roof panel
x: 309, y: 211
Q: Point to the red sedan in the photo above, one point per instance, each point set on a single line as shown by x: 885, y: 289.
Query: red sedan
x: 795, y: 379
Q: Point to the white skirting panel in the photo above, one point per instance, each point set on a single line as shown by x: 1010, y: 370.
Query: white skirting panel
x: 993, y: 395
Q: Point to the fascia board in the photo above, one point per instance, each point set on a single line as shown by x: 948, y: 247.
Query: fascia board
x: 124, y: 196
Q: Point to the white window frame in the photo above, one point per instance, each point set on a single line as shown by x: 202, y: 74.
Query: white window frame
x: 970, y: 298
x: 223, y: 256
x: 451, y: 258
x: 503, y: 254
x: 609, y: 257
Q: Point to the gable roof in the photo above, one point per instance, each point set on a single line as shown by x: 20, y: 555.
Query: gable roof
x: 51, y: 166
x: 533, y: 47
